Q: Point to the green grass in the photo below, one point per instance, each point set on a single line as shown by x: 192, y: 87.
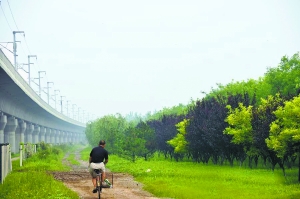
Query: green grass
x: 188, y: 180
x: 14, y: 155
x: 33, y: 180
x: 53, y: 162
x: 72, y: 159
x: 34, y: 184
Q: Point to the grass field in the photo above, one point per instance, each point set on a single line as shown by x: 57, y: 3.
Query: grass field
x: 33, y: 180
x: 188, y: 180
x: 163, y: 178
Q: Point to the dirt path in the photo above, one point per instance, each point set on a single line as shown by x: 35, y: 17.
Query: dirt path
x: 79, y: 180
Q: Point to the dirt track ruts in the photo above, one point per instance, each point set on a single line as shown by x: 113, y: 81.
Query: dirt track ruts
x: 79, y: 180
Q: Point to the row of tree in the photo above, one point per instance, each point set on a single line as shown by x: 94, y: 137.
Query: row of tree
x: 254, y: 119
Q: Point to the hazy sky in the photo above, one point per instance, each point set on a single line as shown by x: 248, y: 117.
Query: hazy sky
x: 138, y: 56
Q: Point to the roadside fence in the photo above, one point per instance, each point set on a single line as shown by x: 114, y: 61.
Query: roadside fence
x: 26, y: 150
x: 5, y: 161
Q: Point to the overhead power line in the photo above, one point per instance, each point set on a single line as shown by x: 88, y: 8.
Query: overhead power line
x: 6, y: 48
x: 5, y: 16
x: 12, y: 15
x: 27, y: 45
x: 18, y: 27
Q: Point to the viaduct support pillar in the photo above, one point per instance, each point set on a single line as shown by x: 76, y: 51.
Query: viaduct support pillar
x: 28, y: 133
x: 78, y: 138
x: 20, y: 134
x: 42, y: 134
x: 10, y: 133
x: 73, y: 137
x: 3, y: 122
x: 53, y: 134
x: 57, y: 136
x: 61, y: 137
x: 35, y: 134
x: 68, y: 137
x: 48, y: 135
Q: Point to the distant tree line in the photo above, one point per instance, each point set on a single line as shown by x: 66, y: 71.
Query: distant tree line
x: 253, y: 119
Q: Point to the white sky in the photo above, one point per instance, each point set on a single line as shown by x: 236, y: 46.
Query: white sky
x: 138, y: 56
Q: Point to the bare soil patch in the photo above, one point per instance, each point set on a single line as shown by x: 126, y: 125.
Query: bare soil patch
x: 79, y: 180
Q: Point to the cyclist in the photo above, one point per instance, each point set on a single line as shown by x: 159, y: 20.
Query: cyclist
x: 98, y: 159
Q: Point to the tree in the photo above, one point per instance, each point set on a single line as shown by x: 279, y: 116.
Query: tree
x: 239, y: 120
x: 178, y: 110
x: 205, y: 131
x: 109, y: 128
x: 165, y: 130
x: 178, y: 142
x: 285, y: 130
x: 134, y: 144
x: 285, y: 79
x: 147, y: 133
x: 91, y: 135
x: 263, y: 116
x: 255, y: 89
x: 240, y: 127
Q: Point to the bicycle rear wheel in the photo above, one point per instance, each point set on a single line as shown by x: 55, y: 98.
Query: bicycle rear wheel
x: 99, y: 193
x: 99, y: 186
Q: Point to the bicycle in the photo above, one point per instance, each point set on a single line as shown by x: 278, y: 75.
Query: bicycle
x: 98, y: 181
x: 99, y: 185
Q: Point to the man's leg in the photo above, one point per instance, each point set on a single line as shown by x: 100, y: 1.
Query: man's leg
x: 103, y: 176
x: 94, y: 182
x: 103, y: 171
x: 93, y: 176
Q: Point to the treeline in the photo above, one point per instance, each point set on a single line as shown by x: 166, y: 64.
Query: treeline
x: 253, y: 119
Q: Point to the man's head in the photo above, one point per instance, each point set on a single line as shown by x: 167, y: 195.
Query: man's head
x: 102, y: 142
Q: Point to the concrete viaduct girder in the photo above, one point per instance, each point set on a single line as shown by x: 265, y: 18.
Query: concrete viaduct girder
x: 25, y: 117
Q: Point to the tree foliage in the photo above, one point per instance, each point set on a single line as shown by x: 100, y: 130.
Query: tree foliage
x: 109, y: 128
x: 263, y: 116
x: 233, y: 121
x: 239, y: 120
x: 165, y: 130
x: 285, y: 79
x: 285, y: 130
x: 255, y: 89
x: 204, y: 131
x: 134, y: 144
x: 179, y: 142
